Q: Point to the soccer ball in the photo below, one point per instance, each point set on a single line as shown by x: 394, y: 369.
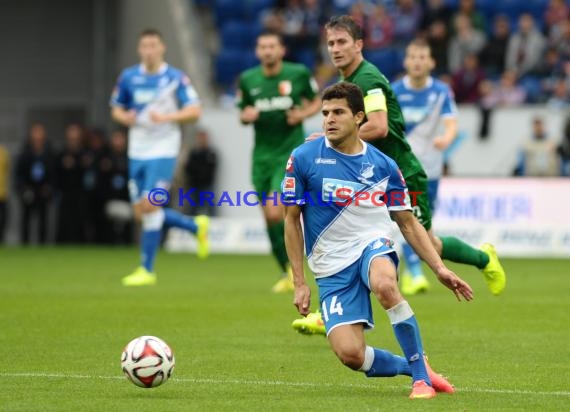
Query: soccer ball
x: 147, y: 361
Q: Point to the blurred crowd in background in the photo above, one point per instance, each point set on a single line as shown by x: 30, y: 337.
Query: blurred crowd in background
x: 493, y: 53
x: 82, y: 186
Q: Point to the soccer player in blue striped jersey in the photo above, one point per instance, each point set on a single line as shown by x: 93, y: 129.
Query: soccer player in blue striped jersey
x: 430, y: 116
x: 341, y: 195
x: 152, y: 99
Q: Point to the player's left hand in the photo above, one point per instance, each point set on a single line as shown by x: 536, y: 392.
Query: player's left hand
x: 453, y: 282
x: 294, y: 116
x: 302, y: 299
x: 159, y: 117
x: 441, y: 143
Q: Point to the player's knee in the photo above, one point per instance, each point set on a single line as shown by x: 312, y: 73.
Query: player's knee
x: 350, y: 355
x: 146, y: 207
x: 386, y: 291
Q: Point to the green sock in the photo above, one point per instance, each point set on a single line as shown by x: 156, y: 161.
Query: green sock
x: 276, y: 232
x: 458, y: 251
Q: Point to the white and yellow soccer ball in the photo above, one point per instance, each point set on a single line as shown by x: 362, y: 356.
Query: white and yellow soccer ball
x: 147, y: 361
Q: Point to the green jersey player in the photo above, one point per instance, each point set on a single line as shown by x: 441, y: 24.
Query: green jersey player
x: 276, y: 97
x: 385, y: 130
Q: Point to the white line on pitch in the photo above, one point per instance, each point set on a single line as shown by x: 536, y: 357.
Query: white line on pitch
x: 273, y: 383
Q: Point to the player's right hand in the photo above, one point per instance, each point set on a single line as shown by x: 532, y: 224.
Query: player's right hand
x: 302, y: 299
x: 453, y: 282
x: 249, y: 114
x: 314, y: 136
x: 130, y: 117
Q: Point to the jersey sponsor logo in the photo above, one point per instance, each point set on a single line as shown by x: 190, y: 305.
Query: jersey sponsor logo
x: 274, y: 103
x: 405, y: 97
x: 143, y: 96
x: 289, y: 185
x: 414, y: 114
x: 332, y: 188
x: 324, y: 161
x: 289, y: 168
x: 285, y: 87
x: 138, y: 80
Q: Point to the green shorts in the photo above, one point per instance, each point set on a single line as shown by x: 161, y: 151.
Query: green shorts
x: 267, y: 176
x: 420, y: 202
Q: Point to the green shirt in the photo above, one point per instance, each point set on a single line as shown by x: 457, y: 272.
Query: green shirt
x: 273, y: 96
x: 370, y: 79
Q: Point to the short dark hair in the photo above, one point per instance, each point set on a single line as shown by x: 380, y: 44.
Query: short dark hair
x: 271, y: 33
x: 347, y: 23
x: 348, y: 91
x: 420, y: 43
x: 151, y: 32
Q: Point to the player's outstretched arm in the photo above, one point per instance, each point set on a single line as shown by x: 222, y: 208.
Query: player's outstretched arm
x: 418, y: 238
x: 449, y: 134
x: 294, y: 245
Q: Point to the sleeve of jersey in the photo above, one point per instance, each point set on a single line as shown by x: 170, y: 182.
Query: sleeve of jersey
x: 397, y: 197
x: 311, y: 88
x: 293, y: 185
x: 449, y: 108
x: 186, y: 93
x: 120, y: 96
x: 242, y: 98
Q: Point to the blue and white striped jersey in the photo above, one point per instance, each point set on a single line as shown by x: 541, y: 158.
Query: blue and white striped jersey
x: 423, y: 110
x: 164, y: 92
x: 346, y: 201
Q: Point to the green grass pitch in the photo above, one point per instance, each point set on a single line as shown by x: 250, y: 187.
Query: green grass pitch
x: 65, y: 318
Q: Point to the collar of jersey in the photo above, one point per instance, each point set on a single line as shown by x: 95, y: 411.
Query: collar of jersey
x: 362, y: 152
x: 162, y: 70
x: 408, y: 85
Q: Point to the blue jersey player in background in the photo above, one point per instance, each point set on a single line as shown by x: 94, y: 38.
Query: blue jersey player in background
x: 427, y: 104
x: 341, y: 194
x: 152, y: 99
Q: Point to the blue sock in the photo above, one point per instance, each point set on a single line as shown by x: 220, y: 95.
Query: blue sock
x: 175, y: 218
x: 150, y: 238
x: 150, y: 241
x: 413, y: 262
x: 407, y: 332
x: 385, y: 363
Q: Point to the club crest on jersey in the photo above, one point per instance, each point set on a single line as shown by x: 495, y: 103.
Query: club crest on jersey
x: 285, y: 87
x: 289, y: 167
x: 366, y: 172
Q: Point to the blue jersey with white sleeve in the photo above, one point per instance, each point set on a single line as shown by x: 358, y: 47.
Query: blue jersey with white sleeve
x: 423, y: 110
x: 165, y: 91
x: 346, y: 200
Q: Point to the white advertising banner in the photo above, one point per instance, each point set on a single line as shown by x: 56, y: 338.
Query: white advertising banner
x: 521, y: 217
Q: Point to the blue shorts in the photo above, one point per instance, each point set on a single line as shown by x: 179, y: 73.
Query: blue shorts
x: 145, y: 175
x: 345, y: 296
